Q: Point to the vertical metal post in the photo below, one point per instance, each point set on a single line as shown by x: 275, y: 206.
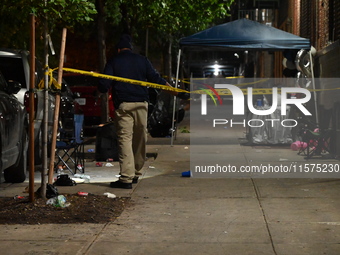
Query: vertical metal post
x: 175, y: 99
x: 313, y: 82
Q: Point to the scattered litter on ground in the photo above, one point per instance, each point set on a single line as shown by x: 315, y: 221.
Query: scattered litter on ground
x: 78, y: 180
x: 64, y: 180
x: 99, y: 164
x: 298, y: 145
x: 184, y: 130
x: 110, y: 195
x: 186, y: 174
x: 108, y: 165
x: 84, y: 177
x: 83, y: 209
x: 152, y: 167
x: 80, y: 193
x: 59, y: 201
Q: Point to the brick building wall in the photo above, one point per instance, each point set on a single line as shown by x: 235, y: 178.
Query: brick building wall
x: 320, y: 21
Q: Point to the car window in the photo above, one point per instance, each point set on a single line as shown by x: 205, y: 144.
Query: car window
x: 39, y: 72
x: 12, y: 69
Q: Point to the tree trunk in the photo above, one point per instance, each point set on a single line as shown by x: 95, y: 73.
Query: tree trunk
x: 167, y: 64
x: 101, y: 36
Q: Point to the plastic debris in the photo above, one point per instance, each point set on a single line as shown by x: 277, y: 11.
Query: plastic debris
x: 18, y: 197
x: 60, y: 170
x: 152, y: 167
x: 186, y: 174
x: 99, y: 164
x: 83, y: 176
x: 90, y: 150
x: 298, y: 145
x: 59, y: 201
x: 109, y: 160
x: 110, y: 195
x: 84, y: 194
x: 108, y: 164
x: 78, y: 180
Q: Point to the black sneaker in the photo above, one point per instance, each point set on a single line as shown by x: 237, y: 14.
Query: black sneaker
x: 135, y: 179
x: 121, y: 185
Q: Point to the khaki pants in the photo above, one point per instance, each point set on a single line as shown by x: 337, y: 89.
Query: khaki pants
x: 131, y: 125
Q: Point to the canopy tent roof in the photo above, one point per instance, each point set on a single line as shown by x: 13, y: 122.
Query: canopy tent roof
x: 247, y: 35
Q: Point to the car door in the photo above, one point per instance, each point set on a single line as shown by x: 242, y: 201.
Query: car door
x: 10, y: 127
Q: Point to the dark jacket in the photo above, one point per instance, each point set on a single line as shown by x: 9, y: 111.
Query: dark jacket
x: 133, y: 66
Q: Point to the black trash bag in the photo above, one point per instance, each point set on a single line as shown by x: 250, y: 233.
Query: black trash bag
x: 160, y: 117
x: 51, y: 191
x: 64, y: 180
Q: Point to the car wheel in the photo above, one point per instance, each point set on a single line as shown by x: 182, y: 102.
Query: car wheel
x: 17, y: 172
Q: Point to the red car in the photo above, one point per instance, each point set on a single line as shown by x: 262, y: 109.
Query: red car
x: 89, y: 100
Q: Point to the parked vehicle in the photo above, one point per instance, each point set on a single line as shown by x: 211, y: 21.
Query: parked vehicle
x: 14, y: 64
x: 13, y: 133
x: 89, y: 100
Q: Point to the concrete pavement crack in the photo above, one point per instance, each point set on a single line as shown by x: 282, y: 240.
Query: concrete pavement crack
x: 264, y: 215
x: 86, y: 248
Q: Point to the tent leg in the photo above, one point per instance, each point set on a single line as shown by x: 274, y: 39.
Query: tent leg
x: 175, y: 99
x: 315, y: 96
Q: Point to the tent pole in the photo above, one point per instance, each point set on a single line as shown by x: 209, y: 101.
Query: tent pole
x: 175, y: 99
x: 313, y: 82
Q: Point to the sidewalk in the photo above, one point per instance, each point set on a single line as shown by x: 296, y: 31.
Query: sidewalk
x: 171, y: 214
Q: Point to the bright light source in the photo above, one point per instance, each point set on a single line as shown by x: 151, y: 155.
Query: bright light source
x: 216, y: 69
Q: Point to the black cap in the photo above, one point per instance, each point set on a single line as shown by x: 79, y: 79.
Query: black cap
x: 125, y: 42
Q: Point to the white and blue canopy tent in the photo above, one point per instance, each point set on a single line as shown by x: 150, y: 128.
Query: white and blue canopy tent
x: 247, y: 35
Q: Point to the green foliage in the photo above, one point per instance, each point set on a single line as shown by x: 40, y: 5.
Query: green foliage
x: 173, y: 16
x: 113, y: 14
x: 14, y: 21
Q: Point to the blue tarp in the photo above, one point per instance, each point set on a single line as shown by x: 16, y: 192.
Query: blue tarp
x: 247, y: 35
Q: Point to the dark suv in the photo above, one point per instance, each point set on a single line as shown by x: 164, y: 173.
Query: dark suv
x: 13, y: 133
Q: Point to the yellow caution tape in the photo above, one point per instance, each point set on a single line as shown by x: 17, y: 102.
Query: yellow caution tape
x: 52, y: 81
x: 256, y: 91
x: 131, y: 81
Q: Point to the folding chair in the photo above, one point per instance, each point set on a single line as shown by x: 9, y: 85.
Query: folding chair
x: 317, y: 143
x: 70, y: 147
